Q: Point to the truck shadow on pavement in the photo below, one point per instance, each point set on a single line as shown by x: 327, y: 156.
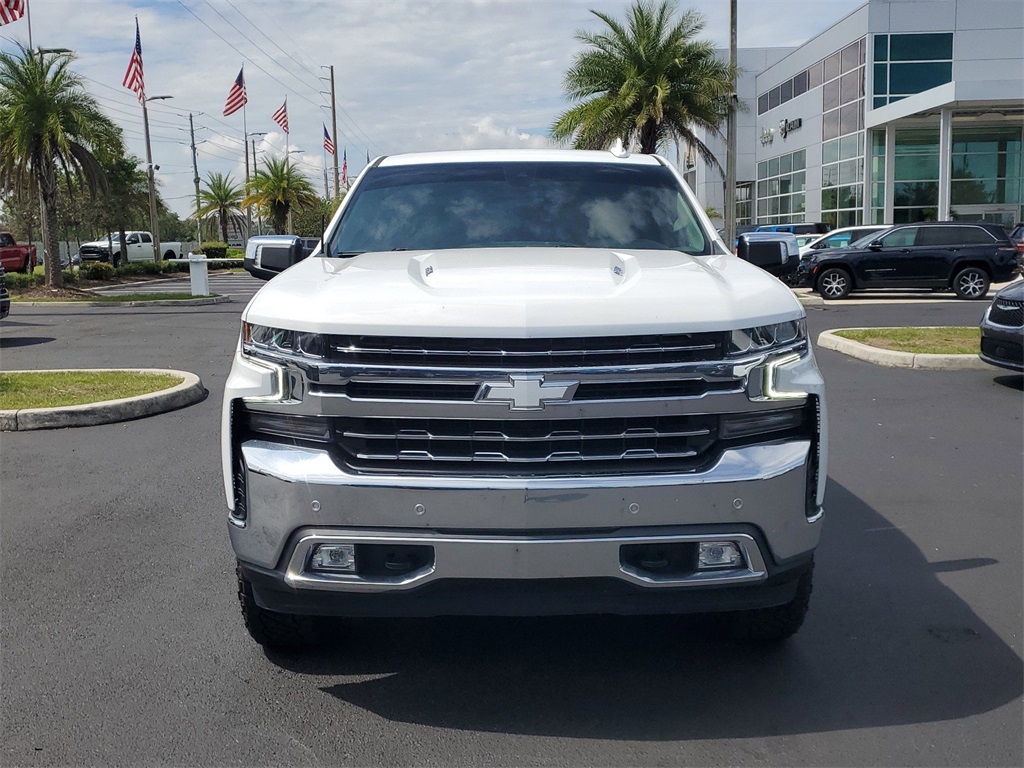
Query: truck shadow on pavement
x: 885, y: 643
x: 7, y: 342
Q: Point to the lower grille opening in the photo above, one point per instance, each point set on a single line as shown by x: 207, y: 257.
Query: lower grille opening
x: 381, y: 561
x: 669, y: 560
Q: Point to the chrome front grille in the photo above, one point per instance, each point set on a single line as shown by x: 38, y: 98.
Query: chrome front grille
x: 525, y: 445
x: 1007, y: 312
x: 526, y: 353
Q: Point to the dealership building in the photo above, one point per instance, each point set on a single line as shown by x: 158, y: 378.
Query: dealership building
x: 904, y: 110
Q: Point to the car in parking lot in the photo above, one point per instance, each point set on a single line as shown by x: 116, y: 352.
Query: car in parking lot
x: 800, y: 228
x: 965, y: 257
x: 844, y: 237
x: 1002, y: 328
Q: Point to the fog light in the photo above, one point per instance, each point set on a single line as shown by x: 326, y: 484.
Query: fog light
x: 719, y: 554
x: 334, y: 557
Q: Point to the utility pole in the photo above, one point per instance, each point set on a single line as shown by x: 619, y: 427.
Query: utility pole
x: 334, y: 133
x: 154, y: 222
x: 730, y: 149
x: 195, y: 178
x: 259, y: 216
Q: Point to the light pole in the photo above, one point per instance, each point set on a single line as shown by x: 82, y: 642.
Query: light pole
x: 154, y: 222
x: 248, y: 213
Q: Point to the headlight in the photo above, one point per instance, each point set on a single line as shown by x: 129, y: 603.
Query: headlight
x: 278, y: 341
x: 762, y: 338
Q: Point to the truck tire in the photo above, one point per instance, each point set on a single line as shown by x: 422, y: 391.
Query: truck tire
x: 270, y: 629
x: 775, y: 624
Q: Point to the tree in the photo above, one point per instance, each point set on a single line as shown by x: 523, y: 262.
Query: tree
x: 309, y: 220
x: 126, y: 201
x: 647, y: 82
x: 49, y: 127
x: 221, y: 196
x: 277, y: 188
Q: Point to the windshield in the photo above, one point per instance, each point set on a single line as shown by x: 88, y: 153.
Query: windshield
x: 479, y: 205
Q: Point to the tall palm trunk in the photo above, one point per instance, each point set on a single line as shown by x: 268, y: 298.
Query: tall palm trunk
x: 224, y: 223
x: 649, y: 138
x: 47, y: 178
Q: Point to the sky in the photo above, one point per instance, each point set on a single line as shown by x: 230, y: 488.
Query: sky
x: 410, y: 75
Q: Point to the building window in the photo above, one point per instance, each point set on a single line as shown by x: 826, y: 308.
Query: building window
x: 909, y: 64
x: 781, y: 189
x: 842, y: 175
x: 744, y: 204
x: 987, y: 166
x: 916, y: 176
x: 839, y: 63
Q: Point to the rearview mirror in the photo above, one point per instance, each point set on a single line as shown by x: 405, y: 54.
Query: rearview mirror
x: 269, y: 255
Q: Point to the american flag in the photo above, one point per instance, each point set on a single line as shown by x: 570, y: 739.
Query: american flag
x: 344, y: 166
x: 11, y: 10
x: 328, y: 144
x: 133, y: 77
x: 236, y: 98
x: 281, y: 116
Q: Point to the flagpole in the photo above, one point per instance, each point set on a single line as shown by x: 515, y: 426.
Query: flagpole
x: 245, y: 148
x: 28, y: 18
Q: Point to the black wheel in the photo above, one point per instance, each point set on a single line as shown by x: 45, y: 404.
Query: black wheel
x: 170, y: 255
x: 834, y: 283
x: 971, y: 283
x: 773, y: 625
x: 269, y: 629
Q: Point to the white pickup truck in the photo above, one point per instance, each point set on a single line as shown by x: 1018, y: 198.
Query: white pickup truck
x: 139, y: 248
x: 521, y: 382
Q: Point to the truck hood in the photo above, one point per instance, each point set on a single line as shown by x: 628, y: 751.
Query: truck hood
x: 522, y: 293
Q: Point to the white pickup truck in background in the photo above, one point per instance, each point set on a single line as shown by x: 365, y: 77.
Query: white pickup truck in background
x: 139, y: 247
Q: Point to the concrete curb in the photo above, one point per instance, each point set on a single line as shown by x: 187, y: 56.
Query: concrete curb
x: 809, y: 299
x: 190, y: 391
x: 892, y: 359
x: 199, y: 302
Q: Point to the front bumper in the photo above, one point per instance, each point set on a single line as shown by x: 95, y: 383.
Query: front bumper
x: 494, y: 532
x: 5, y: 303
x: 1002, y: 346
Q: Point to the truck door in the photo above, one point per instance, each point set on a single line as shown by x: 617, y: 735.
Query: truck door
x: 889, y: 257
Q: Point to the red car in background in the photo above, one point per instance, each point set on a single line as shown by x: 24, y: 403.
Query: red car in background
x: 14, y: 257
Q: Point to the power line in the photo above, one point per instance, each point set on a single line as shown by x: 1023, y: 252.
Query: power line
x: 240, y: 53
x: 257, y: 45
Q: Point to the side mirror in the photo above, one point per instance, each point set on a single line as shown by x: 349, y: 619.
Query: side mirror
x: 133, y: 240
x: 875, y: 245
x: 269, y: 255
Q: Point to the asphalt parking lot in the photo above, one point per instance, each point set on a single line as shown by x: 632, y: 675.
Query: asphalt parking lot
x: 121, y: 643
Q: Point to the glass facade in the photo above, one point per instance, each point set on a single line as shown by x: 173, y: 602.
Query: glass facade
x: 781, y: 189
x: 846, y: 60
x: 842, y: 180
x: 909, y: 64
x: 916, y: 176
x: 986, y: 166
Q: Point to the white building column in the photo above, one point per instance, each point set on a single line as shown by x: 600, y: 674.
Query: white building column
x: 890, y: 171
x: 945, y: 161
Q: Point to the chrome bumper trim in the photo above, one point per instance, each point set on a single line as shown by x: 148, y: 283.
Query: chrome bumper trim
x: 295, y: 464
x: 499, y: 557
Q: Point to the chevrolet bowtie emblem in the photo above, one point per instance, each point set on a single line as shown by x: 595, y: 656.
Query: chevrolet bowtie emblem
x: 527, y: 392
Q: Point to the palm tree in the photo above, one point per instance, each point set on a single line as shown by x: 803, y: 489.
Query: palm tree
x: 222, y: 195
x: 277, y: 189
x: 647, y: 82
x: 49, y: 125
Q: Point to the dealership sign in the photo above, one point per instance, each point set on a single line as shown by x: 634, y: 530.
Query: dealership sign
x: 785, y: 126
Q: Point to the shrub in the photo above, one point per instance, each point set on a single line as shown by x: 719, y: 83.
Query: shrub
x: 70, y: 277
x: 97, y: 270
x: 16, y: 281
x: 171, y: 267
x: 235, y: 253
x: 150, y: 267
x: 131, y: 269
x: 214, y: 250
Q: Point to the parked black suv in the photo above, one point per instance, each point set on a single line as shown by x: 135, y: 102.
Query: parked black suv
x: 956, y: 255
